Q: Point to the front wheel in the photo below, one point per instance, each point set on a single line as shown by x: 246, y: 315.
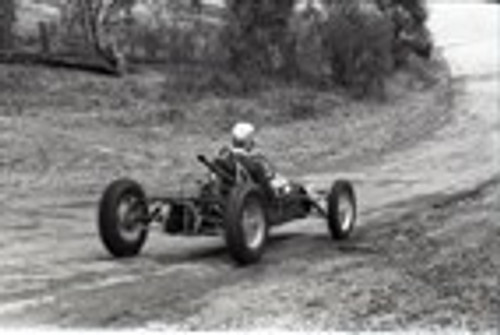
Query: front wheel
x: 341, y: 210
x: 246, y: 224
x: 122, y: 213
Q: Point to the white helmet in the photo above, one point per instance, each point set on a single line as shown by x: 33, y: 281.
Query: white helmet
x: 243, y: 135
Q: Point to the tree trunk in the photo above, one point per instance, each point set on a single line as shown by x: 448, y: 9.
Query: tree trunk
x: 7, y: 19
x: 91, y: 21
x: 44, y: 35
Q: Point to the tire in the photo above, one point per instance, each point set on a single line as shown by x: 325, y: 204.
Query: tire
x: 246, y: 224
x: 341, y: 210
x: 121, y: 237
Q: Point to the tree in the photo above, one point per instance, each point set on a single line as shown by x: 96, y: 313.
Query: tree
x: 258, y: 34
x: 93, y: 22
x: 7, y: 19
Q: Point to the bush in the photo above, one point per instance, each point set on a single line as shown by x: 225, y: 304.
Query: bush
x: 177, y: 41
x: 257, y: 35
x: 357, y: 42
x: 310, y: 58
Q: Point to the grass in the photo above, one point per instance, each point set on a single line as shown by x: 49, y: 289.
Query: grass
x: 82, y: 130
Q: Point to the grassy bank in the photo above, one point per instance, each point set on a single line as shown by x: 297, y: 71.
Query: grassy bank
x: 65, y: 128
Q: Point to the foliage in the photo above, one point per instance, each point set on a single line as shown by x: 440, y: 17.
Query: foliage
x: 91, y: 26
x: 258, y: 38
x: 156, y: 31
x: 353, y: 43
x: 361, y: 61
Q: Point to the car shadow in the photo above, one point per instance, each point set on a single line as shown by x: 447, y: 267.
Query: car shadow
x: 216, y: 252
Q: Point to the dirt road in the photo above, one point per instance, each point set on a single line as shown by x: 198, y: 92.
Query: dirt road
x: 425, y: 254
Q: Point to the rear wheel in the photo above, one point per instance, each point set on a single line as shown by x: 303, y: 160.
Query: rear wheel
x: 341, y: 210
x: 246, y: 224
x: 122, y: 213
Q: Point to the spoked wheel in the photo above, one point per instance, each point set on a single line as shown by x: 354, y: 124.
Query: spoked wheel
x: 341, y: 210
x: 122, y: 215
x: 246, y: 224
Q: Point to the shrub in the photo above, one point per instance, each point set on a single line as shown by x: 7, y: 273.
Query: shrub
x: 309, y: 54
x: 357, y: 42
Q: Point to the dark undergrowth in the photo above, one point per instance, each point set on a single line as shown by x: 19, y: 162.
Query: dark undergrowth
x: 193, y: 95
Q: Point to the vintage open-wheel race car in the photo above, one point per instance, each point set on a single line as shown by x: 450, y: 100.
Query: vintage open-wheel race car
x: 235, y: 201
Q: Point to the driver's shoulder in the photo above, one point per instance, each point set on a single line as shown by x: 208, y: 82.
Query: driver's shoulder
x: 225, y: 151
x: 259, y: 156
x: 255, y: 156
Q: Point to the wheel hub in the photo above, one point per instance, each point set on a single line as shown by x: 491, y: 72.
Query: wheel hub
x: 254, y: 224
x: 128, y: 212
x: 345, y: 212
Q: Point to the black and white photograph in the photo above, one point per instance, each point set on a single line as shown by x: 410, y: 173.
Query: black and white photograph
x: 268, y: 166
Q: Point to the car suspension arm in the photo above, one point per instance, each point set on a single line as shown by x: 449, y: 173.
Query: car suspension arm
x: 318, y: 208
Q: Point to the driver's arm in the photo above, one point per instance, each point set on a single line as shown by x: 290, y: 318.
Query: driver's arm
x: 268, y: 169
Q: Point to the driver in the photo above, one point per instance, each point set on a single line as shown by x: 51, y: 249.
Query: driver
x: 243, y: 147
